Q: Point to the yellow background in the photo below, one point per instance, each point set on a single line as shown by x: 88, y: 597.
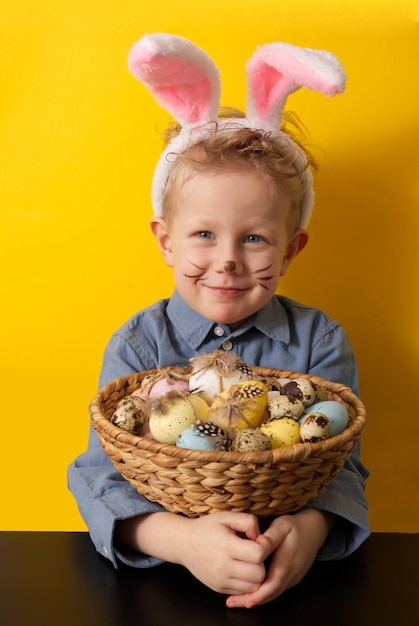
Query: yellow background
x: 78, y: 146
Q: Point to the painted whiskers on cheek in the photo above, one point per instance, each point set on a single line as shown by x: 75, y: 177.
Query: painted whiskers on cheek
x: 200, y: 271
x: 262, y: 280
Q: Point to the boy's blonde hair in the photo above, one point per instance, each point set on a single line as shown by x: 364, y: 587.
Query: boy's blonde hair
x: 281, y: 159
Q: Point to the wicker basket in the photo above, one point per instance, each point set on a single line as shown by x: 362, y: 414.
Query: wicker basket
x: 194, y: 482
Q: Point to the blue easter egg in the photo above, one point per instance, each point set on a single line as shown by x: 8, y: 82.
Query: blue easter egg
x: 335, y: 411
x: 191, y: 438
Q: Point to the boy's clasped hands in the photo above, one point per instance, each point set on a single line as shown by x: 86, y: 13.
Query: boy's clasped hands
x: 231, y: 558
x: 227, y: 551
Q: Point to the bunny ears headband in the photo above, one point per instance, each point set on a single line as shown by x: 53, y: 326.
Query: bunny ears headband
x: 185, y: 81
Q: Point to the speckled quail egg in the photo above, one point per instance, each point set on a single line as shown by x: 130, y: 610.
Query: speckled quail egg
x: 285, y: 406
x: 321, y: 393
x: 251, y: 440
x: 130, y: 414
x: 315, y: 427
x: 272, y: 383
x: 301, y: 388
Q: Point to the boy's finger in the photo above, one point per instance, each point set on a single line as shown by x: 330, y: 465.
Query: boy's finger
x: 244, y: 523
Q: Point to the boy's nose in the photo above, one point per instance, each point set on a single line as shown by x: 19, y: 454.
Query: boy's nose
x: 229, y: 267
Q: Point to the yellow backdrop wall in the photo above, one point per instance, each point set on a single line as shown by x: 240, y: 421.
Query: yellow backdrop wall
x: 78, y: 146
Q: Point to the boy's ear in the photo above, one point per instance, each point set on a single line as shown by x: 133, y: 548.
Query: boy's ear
x: 159, y: 229
x: 297, y: 243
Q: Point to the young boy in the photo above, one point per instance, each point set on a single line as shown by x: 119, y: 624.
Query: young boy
x: 230, y: 224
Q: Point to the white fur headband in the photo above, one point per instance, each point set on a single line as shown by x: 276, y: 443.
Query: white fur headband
x: 186, y: 82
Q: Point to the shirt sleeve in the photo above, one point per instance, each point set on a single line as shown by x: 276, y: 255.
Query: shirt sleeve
x: 102, y: 494
x: 104, y: 497
x: 344, y: 497
x: 333, y: 359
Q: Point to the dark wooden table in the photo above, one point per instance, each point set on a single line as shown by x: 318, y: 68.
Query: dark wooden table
x: 57, y: 579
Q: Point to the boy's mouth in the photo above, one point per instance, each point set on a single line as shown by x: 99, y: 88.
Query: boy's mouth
x: 225, y: 291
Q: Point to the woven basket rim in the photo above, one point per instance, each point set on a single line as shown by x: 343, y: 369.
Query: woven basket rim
x: 293, y: 453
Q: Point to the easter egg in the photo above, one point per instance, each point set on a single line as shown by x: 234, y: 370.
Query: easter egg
x: 199, y: 405
x: 335, y: 411
x: 163, y: 386
x: 159, y: 382
x: 285, y: 406
x: 203, y: 436
x: 251, y: 440
x: 301, y: 388
x: 321, y: 393
x: 129, y: 414
x: 272, y: 383
x: 174, y: 413
x: 190, y: 438
x: 240, y: 406
x: 282, y: 432
x: 215, y: 372
x: 315, y: 427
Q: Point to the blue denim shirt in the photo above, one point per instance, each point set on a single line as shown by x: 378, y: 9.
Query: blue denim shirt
x: 284, y: 335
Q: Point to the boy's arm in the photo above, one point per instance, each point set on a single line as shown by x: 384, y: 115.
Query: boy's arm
x: 102, y: 494
x: 104, y: 497
x: 344, y: 497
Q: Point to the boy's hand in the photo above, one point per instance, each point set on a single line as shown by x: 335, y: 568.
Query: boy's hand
x: 293, y: 541
x: 220, y: 558
x: 226, y: 552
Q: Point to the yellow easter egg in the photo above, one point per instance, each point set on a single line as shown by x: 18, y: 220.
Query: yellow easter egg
x: 240, y: 406
x: 200, y: 407
x: 173, y: 413
x: 282, y: 432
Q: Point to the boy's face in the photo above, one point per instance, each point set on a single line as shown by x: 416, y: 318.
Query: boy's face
x: 228, y: 242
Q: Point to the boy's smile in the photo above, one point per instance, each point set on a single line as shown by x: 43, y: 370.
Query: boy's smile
x: 228, y: 242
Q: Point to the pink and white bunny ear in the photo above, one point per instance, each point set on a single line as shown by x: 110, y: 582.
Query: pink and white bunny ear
x: 278, y: 69
x: 181, y: 76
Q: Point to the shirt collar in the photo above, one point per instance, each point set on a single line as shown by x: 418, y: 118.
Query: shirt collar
x: 190, y: 325
x: 271, y: 320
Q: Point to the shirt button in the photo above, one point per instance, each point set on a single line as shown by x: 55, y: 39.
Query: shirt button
x: 218, y: 331
x: 227, y: 345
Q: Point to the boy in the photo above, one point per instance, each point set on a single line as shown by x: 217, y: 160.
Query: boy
x: 229, y: 221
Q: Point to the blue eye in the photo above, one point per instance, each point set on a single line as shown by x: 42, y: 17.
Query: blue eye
x: 253, y: 239
x: 204, y: 234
